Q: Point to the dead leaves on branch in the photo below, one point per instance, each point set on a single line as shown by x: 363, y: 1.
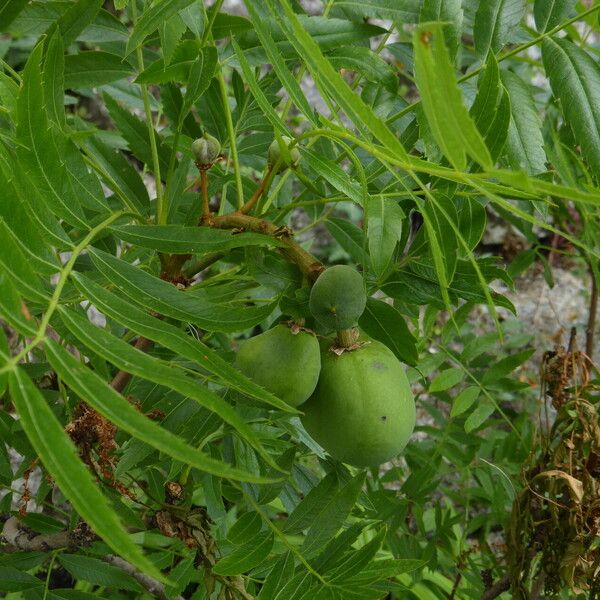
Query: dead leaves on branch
x: 555, y: 524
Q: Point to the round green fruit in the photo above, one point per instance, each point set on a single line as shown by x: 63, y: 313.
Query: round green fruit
x: 338, y: 297
x: 206, y: 150
x: 285, y: 362
x: 363, y: 411
x: 274, y: 154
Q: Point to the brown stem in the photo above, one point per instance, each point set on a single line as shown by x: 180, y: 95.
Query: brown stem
x: 260, y: 190
x: 205, y: 202
x: 306, y: 262
x: 498, y: 588
x: 150, y: 584
x: 457, y: 581
x: 591, y: 324
x: 21, y: 540
x: 122, y: 378
x: 202, y: 263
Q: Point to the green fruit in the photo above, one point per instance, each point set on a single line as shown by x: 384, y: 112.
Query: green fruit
x: 362, y: 411
x: 284, y: 362
x: 206, y: 150
x: 338, y: 297
x: 274, y: 154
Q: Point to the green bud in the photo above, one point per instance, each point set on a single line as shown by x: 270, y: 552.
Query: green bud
x: 275, y: 154
x: 206, y: 150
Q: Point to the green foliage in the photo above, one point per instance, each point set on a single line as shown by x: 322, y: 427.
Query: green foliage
x: 150, y: 227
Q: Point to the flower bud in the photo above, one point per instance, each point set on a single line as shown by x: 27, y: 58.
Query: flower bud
x: 275, y: 154
x: 206, y: 150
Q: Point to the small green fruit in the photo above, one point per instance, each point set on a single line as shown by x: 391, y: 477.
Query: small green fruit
x: 285, y: 362
x: 206, y: 150
x: 362, y: 411
x: 275, y: 153
x: 338, y: 297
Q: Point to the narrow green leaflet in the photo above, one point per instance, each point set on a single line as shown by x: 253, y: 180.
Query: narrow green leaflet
x: 550, y: 13
x: 524, y: 143
x: 26, y: 232
x: 449, y: 12
x: 327, y: 32
x: 118, y: 410
x: 243, y: 558
x: 491, y: 109
x: 331, y: 172
x: 119, y: 174
x: 15, y: 580
x: 94, y: 68
x: 384, y: 323
x: 366, y: 62
x: 98, y: 572
x: 439, y: 214
x: 333, y: 83
x: 177, y: 69
x: 11, y: 307
x: 60, y: 456
x: 281, y: 69
x: 350, y: 238
x: 463, y: 401
x: 446, y: 380
x: 180, y: 239
x: 156, y: 294
x: 259, y: 95
x: 53, y: 79
x: 76, y: 18
x: 495, y: 22
x: 138, y: 363
x: 479, y: 416
x: 401, y: 11
x: 171, y: 337
x: 9, y: 11
x: 453, y: 129
x: 575, y: 81
x: 152, y: 18
x: 332, y: 515
x: 38, y: 152
x: 472, y: 219
x: 311, y: 505
x: 32, y: 201
x: 201, y: 72
x: 135, y: 133
x: 15, y: 264
x: 280, y: 574
x: 384, y: 231
x: 356, y: 561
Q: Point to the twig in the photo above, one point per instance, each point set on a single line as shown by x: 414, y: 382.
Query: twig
x: 457, y: 580
x: 291, y: 250
x: 260, y: 190
x: 205, y: 213
x: 122, y: 378
x: 150, y: 584
x: 22, y: 540
x: 591, y: 324
x: 498, y: 588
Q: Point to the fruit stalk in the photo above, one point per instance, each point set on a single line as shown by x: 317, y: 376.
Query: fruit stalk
x: 346, y: 338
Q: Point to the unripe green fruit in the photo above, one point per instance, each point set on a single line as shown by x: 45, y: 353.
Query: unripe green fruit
x: 206, y: 150
x: 275, y: 153
x: 362, y: 411
x: 338, y: 297
x: 284, y: 362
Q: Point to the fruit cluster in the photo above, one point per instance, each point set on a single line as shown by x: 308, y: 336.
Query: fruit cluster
x: 353, y: 391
